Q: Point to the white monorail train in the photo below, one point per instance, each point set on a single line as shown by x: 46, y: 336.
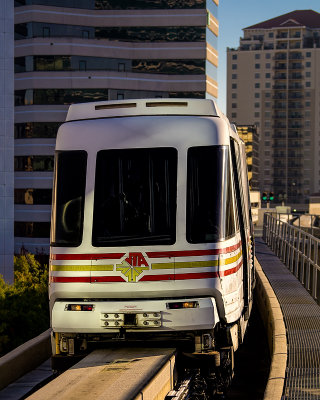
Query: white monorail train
x: 151, y: 235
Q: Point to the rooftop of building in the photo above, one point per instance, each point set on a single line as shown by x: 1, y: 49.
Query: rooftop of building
x: 297, y: 18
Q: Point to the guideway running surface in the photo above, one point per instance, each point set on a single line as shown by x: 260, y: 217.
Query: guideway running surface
x: 125, y: 374
x: 302, y: 319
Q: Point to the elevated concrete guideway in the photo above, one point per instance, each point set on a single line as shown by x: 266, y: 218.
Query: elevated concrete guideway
x: 301, y: 315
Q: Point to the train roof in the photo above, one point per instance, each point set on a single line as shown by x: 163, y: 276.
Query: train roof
x: 142, y: 107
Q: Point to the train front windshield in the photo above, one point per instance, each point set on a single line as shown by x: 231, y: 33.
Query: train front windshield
x: 135, y: 197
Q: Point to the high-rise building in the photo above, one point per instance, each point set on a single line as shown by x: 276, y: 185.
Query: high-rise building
x: 249, y: 134
x: 273, y: 83
x: 69, y: 51
x: 6, y: 140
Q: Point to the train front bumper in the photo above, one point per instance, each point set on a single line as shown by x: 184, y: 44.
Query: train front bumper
x: 69, y: 316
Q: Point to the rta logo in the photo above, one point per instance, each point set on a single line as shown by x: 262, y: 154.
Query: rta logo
x: 136, y: 260
x: 133, y: 266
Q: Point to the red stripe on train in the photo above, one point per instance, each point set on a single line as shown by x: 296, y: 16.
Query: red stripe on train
x: 150, y: 254
x: 108, y: 256
x: 192, y: 253
x: 85, y: 279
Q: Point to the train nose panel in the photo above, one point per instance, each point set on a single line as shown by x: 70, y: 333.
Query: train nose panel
x: 132, y: 267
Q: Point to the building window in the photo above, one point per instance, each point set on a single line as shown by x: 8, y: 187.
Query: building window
x: 268, y: 75
x: 32, y: 196
x: 308, y: 84
x: 308, y: 64
x: 257, y: 66
x: 85, y: 34
x: 257, y: 75
x: 257, y: 95
x: 256, y: 105
x: 45, y: 31
x: 82, y: 65
x: 234, y: 76
x: 120, y: 96
x: 33, y: 163
x: 234, y: 105
x: 268, y: 55
x: 268, y: 85
x: 257, y: 85
x: 308, y: 74
x: 234, y: 66
x: 268, y: 65
x: 308, y: 54
x: 256, y: 114
x: 257, y: 56
x: 121, y: 67
x: 234, y: 95
x: 234, y: 56
x: 32, y: 229
x: 270, y: 35
x: 234, y: 86
x: 234, y: 115
x: 36, y: 130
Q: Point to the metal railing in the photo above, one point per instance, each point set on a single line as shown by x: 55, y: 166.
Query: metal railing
x: 297, y: 249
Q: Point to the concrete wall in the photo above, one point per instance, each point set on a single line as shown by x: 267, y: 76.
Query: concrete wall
x: 6, y: 140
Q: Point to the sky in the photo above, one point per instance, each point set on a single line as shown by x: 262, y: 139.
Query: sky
x: 234, y: 15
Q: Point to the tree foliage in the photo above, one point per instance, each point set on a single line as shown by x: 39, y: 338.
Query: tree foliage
x: 24, y: 309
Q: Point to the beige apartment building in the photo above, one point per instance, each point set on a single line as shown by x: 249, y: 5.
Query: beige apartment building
x: 69, y: 51
x: 273, y: 83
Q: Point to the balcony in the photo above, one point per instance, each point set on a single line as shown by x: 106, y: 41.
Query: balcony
x: 295, y: 106
x: 279, y: 86
x: 268, y: 46
x: 295, y: 75
x: 282, y: 46
x: 296, y: 85
x: 295, y: 66
x: 295, y: 115
x: 280, y: 66
x: 295, y: 95
x: 280, y: 106
x: 280, y: 76
x: 280, y: 116
x: 296, y: 56
x: 280, y: 96
x: 295, y: 135
x: 280, y: 56
x: 279, y: 135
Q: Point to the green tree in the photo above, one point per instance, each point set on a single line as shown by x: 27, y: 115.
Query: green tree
x: 24, y: 309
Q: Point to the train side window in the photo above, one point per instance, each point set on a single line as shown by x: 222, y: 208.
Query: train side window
x: 135, y: 197
x: 68, y: 198
x: 210, y: 213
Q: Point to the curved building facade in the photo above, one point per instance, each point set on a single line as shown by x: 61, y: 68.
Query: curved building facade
x: 88, y: 50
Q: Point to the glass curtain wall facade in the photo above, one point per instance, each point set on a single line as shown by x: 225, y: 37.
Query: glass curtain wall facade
x: 74, y: 51
x: 275, y: 69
